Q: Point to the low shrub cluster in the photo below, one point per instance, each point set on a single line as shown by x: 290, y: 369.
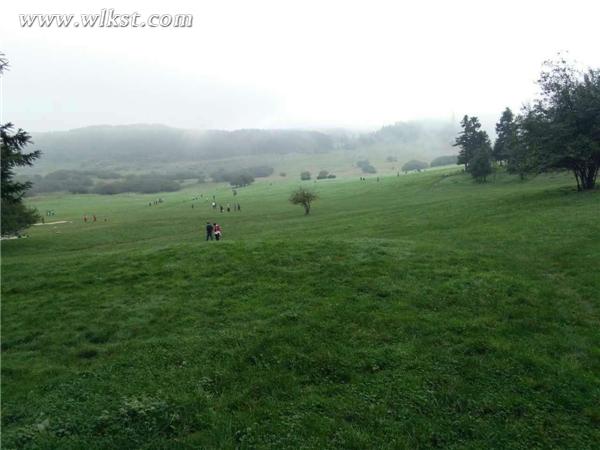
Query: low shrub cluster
x: 366, y: 166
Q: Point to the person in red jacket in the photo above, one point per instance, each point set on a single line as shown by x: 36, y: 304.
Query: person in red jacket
x: 217, y: 231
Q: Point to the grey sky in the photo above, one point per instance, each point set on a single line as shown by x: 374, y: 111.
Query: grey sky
x: 247, y: 64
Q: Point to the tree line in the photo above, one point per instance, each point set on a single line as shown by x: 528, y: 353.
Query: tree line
x: 560, y: 130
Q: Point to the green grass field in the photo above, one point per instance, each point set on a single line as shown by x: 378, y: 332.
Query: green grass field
x: 421, y: 311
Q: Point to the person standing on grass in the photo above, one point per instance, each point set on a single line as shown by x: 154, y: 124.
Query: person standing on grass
x: 209, y: 231
x: 217, y: 231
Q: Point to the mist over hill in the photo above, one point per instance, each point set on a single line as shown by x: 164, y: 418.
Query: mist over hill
x: 162, y: 143
x: 144, y: 143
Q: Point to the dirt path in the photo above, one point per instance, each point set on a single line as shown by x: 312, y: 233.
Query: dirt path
x: 52, y: 223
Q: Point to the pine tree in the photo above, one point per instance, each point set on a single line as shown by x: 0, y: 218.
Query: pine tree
x: 481, y: 163
x: 470, y: 140
x: 505, y: 136
x: 518, y: 160
x: 475, y: 149
x: 15, y: 215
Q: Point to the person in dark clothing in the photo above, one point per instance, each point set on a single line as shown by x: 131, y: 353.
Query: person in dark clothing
x: 209, y: 231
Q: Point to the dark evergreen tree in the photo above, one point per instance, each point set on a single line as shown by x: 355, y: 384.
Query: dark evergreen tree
x: 3, y: 63
x: 518, y: 160
x: 505, y: 136
x: 15, y: 216
x: 480, y: 165
x: 469, y: 140
x: 475, y: 149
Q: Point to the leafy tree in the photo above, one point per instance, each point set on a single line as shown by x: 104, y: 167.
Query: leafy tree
x: 366, y: 166
x: 241, y: 179
x: 304, y: 197
x: 505, y: 136
x: 444, y: 160
x: 305, y: 175
x: 562, y: 127
x: 15, y: 216
x: 413, y: 164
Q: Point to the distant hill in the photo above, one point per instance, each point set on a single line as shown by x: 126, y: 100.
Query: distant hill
x: 162, y: 143
x: 145, y: 143
x: 430, y: 135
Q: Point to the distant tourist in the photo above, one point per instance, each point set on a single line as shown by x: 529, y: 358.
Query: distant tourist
x: 221, y: 206
x: 217, y: 231
x: 209, y: 231
x: 228, y: 207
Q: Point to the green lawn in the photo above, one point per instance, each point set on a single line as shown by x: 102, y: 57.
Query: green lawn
x: 421, y: 311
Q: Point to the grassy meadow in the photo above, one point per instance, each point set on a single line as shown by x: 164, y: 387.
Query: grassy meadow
x: 420, y: 311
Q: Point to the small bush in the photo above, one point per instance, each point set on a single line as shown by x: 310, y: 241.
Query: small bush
x: 444, y: 160
x: 413, y: 164
x: 366, y: 166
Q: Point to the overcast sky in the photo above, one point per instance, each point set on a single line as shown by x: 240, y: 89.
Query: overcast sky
x: 248, y: 64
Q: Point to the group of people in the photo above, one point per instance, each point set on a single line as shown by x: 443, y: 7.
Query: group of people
x: 155, y: 202
x: 236, y: 207
x: 213, y: 229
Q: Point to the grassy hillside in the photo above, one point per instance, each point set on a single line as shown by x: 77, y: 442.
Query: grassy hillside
x: 421, y: 311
